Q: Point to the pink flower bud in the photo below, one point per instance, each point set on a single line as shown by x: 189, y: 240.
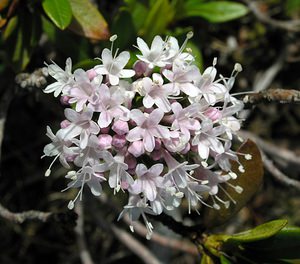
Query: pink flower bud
x: 157, y: 144
x: 105, y: 130
x: 156, y: 155
x: 91, y: 74
x: 194, y: 148
x: 130, y: 161
x: 70, y: 158
x: 140, y: 68
x: 119, y: 141
x: 65, y: 123
x: 105, y: 141
x: 137, y: 148
x: 186, y: 149
x: 64, y: 100
x: 213, y: 113
x: 120, y: 127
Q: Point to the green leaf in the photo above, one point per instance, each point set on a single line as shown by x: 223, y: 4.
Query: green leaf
x: 59, y: 11
x: 197, y: 53
x: 85, y: 64
x: 250, y: 181
x: 138, y: 12
x: 224, y: 260
x: 20, y: 39
x: 124, y: 27
x: 259, y: 233
x: 205, y: 259
x: 292, y: 7
x: 88, y: 21
x: 160, y: 15
x: 285, y: 244
x: 216, y: 11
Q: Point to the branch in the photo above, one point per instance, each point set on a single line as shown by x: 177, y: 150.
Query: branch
x: 270, y: 148
x: 273, y: 95
x: 134, y: 245
x: 181, y: 245
x: 128, y: 240
x: 280, y: 176
x: 23, y: 216
x: 85, y: 255
x: 291, y: 25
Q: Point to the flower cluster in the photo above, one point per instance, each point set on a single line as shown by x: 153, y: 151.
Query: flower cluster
x: 160, y: 131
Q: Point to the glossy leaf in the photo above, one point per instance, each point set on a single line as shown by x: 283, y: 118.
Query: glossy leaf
x: 205, y: 259
x: 159, y: 16
x: 284, y: 245
x: 88, y: 21
x: 59, y: 11
x: 215, y: 11
x: 260, y: 232
x: 20, y: 38
x: 138, y: 12
x: 124, y: 28
x: 224, y: 260
x: 250, y: 181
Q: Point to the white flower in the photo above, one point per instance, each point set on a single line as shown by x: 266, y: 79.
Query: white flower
x: 147, y: 128
x: 81, y: 124
x: 154, y: 55
x: 64, y: 78
x: 155, y: 93
x: 113, y: 66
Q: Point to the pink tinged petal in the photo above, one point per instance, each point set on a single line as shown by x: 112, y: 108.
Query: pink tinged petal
x: 54, y: 87
x: 141, y: 170
x: 106, y: 57
x: 71, y: 115
x: 95, y: 187
x: 148, y: 141
x: 189, y: 89
x: 135, y: 134
x: 100, y: 69
x: 163, y: 104
x: 94, y: 128
x: 216, y: 145
x: 148, y: 101
x: 156, y: 169
x: 149, y: 189
x: 81, y: 76
x: 211, y: 71
x: 161, y: 132
x: 113, y: 79
x: 84, y: 138
x: 71, y: 131
x: 168, y: 74
x: 203, y: 151
x: 142, y: 46
x: 136, y: 187
x: 127, y: 73
x: 157, y: 78
x: 104, y: 119
x: 137, y: 116
x: 157, y: 207
x: 155, y: 116
x: 176, y: 108
x: 136, y: 148
x: 157, y: 44
x: 122, y: 59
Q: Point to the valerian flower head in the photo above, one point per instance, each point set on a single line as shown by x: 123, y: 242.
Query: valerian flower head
x: 161, y: 132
